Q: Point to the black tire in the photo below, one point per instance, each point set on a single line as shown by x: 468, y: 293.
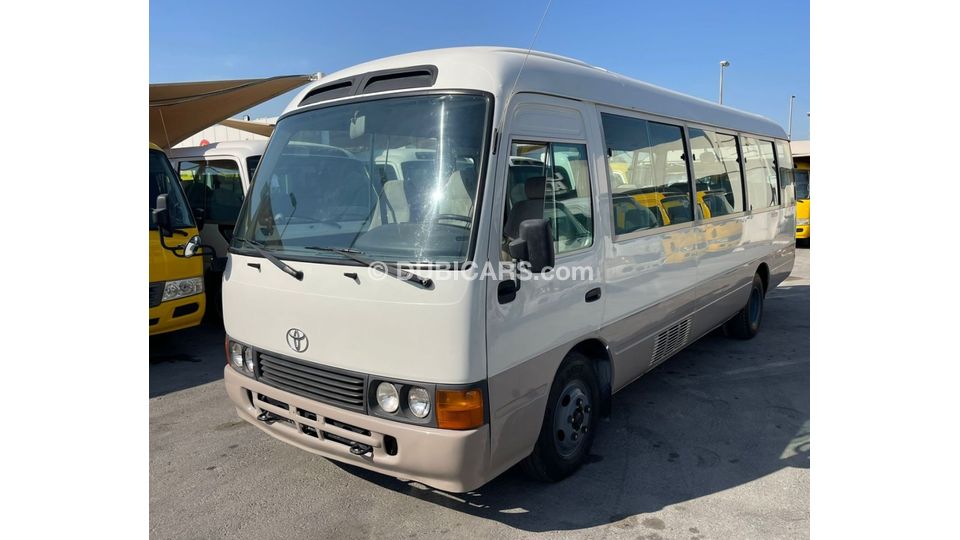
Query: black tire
x: 746, y: 323
x: 556, y: 456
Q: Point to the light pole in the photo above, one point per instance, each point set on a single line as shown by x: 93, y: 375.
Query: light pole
x: 723, y: 65
x: 790, y: 120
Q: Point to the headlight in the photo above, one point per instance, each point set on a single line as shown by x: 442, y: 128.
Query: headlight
x: 242, y: 358
x: 236, y: 355
x: 180, y: 288
x: 387, y: 397
x: 248, y: 359
x: 418, y: 400
x: 803, y: 222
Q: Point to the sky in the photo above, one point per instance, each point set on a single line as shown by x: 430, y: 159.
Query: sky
x: 677, y: 45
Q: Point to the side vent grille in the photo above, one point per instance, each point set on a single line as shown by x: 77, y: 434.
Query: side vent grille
x: 417, y: 77
x: 333, y: 90
x: 670, y: 341
x: 374, y: 81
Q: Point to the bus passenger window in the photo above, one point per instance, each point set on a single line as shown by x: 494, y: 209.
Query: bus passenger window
x: 761, y: 171
x: 550, y: 181
x: 630, y: 216
x: 785, y: 164
x: 716, y: 166
x: 647, y: 162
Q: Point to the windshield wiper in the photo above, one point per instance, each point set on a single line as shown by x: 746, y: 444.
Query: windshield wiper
x: 277, y: 262
x: 393, y: 271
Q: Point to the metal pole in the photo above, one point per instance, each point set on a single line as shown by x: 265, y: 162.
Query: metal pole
x: 790, y: 121
x: 723, y: 64
x: 721, y: 85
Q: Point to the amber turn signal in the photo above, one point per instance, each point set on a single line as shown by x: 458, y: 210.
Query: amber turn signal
x: 459, y: 409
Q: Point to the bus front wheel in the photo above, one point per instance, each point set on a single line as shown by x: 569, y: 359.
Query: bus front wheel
x: 569, y: 424
x: 746, y: 323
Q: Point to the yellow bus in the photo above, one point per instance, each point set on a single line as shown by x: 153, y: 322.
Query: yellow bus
x: 802, y: 182
x: 176, y: 275
x: 801, y: 175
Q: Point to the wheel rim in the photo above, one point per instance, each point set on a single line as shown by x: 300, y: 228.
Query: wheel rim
x: 755, y: 302
x: 571, y: 418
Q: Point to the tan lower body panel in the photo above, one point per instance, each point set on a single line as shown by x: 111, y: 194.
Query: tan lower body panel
x: 449, y: 460
x: 518, y: 401
x: 518, y: 396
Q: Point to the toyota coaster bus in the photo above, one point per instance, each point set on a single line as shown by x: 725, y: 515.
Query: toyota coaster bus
x: 362, y: 321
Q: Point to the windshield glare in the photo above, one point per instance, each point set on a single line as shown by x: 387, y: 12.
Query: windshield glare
x: 395, y: 179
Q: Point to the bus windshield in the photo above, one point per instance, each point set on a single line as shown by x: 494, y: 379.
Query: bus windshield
x: 163, y: 181
x: 394, y: 179
x: 802, y: 180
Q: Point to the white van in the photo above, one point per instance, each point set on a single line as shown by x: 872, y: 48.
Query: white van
x: 215, y: 178
x: 362, y: 322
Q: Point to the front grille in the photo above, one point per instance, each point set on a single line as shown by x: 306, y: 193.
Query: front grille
x: 156, y: 293
x: 336, y: 387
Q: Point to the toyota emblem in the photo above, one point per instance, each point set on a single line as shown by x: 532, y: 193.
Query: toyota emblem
x: 297, y: 340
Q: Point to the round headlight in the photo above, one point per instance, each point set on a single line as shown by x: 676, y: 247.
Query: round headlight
x: 419, y: 401
x: 387, y: 397
x: 236, y: 355
x: 248, y: 359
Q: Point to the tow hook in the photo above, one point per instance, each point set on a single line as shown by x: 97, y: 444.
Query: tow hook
x: 268, y: 417
x: 359, y: 449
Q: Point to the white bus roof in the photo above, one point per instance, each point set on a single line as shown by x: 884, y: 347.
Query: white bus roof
x: 234, y: 148
x: 494, y: 70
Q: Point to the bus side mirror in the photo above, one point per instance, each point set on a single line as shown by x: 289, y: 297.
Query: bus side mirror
x: 162, y: 216
x: 535, y: 245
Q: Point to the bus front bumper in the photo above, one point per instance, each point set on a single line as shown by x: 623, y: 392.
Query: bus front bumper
x: 177, y: 314
x: 803, y: 232
x: 450, y: 460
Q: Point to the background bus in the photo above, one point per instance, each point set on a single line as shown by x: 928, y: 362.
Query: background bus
x: 176, y: 278
x: 801, y: 162
x: 215, y: 178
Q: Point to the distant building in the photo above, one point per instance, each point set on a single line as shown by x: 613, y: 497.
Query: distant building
x: 221, y: 133
x: 801, y: 154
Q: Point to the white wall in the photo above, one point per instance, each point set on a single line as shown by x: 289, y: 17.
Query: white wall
x: 220, y: 133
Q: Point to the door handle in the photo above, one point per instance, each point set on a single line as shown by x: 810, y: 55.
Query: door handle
x: 592, y: 295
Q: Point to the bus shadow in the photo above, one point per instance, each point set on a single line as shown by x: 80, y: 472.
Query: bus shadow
x: 720, y: 414
x: 186, y: 358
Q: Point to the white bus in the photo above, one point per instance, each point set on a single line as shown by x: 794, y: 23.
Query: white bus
x: 354, y: 329
x: 215, y: 178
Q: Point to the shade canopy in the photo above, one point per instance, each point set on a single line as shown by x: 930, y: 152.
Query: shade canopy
x: 178, y: 110
x: 257, y: 128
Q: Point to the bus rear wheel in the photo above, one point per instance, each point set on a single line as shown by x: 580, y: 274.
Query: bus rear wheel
x: 569, y: 423
x: 746, y: 323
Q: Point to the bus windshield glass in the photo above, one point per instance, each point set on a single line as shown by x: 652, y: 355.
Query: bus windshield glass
x: 802, y: 180
x: 163, y: 181
x: 394, y: 179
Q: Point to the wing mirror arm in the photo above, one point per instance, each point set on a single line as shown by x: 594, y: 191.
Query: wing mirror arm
x: 165, y: 228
